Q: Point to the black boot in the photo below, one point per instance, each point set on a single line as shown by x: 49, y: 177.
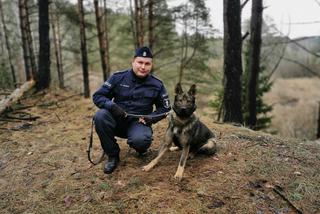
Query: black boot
x: 111, y: 164
x: 143, y: 153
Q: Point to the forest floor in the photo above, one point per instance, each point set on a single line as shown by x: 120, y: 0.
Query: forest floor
x: 44, y: 168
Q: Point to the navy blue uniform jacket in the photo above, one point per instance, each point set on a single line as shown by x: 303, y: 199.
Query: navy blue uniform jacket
x: 134, y: 95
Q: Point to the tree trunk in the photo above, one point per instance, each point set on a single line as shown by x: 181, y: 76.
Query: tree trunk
x: 318, y: 128
x: 136, y: 19
x: 254, y: 60
x: 139, y: 22
x: 133, y: 27
x: 1, y: 42
x: 150, y: 23
x: 84, y: 54
x: 184, y: 47
x: 232, y: 61
x: 43, y: 80
x: 15, y: 96
x: 106, y: 30
x: 25, y: 44
x: 101, y: 37
x: 57, y: 44
x: 30, y: 45
x: 5, y: 31
x: 186, y: 56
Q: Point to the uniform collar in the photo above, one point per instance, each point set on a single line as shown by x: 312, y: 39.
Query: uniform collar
x: 137, y: 79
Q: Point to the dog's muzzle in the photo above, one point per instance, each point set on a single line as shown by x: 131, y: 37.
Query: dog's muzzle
x: 184, y: 112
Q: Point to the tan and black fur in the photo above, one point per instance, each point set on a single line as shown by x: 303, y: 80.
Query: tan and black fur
x: 186, y: 131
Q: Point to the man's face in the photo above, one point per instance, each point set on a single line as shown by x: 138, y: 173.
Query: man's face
x: 141, y: 66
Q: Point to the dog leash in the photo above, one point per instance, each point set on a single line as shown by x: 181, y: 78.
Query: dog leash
x: 90, y: 141
x: 102, y: 156
x: 148, y: 116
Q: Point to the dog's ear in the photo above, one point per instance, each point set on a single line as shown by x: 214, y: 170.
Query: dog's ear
x: 178, y: 89
x: 192, y: 90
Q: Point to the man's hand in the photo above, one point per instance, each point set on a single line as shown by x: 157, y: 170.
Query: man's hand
x: 146, y: 121
x: 117, y: 111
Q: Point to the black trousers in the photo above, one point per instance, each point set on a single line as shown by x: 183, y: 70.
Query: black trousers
x: 139, y: 136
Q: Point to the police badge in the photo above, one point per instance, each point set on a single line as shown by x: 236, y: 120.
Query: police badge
x: 166, y: 103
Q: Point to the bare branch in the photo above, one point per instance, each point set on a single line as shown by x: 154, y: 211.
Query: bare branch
x: 245, y: 35
x: 244, y: 4
x: 278, y: 62
x: 267, y: 54
x: 303, y: 66
x: 174, y: 61
x: 304, y: 48
x: 279, y: 191
x: 303, y: 23
x: 318, y: 2
x: 297, y: 44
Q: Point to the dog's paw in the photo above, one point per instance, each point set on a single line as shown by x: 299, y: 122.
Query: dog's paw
x: 177, y: 177
x: 146, y: 168
x: 173, y: 148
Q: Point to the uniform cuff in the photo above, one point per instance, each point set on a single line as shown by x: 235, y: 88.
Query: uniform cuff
x: 108, y: 105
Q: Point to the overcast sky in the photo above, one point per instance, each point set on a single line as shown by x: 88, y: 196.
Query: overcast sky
x: 282, y: 12
x: 303, y: 14
x: 299, y: 12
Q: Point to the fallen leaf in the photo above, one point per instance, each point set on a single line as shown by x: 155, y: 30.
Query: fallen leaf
x: 297, y: 173
x: 87, y: 198
x: 120, y: 183
x: 101, y: 195
x: 270, y: 186
x: 67, y: 201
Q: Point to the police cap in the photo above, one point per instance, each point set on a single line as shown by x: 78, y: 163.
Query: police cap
x: 143, y: 52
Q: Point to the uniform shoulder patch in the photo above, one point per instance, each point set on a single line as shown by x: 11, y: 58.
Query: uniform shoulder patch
x: 115, y: 76
x: 154, y: 77
x: 166, y: 103
x: 107, y: 84
x: 120, y: 72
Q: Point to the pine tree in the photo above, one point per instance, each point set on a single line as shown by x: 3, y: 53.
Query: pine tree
x: 264, y: 86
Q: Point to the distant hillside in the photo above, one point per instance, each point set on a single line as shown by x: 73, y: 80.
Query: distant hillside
x: 312, y: 43
x: 295, y: 104
x: 301, y: 58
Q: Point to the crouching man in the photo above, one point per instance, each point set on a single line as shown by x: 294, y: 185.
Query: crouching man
x: 133, y: 91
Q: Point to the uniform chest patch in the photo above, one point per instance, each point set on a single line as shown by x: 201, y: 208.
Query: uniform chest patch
x: 124, y: 85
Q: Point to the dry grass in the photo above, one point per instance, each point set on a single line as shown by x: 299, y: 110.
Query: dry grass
x: 296, y: 104
x: 44, y: 169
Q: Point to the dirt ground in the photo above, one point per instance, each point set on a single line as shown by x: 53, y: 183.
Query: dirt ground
x: 44, y: 168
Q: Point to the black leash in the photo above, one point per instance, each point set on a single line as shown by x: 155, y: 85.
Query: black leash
x: 147, y: 116
x: 90, y: 141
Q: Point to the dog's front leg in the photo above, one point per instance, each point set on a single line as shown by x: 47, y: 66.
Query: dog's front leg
x: 165, y: 147
x: 182, y: 163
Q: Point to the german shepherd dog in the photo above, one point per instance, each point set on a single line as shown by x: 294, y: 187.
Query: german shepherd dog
x: 186, y: 131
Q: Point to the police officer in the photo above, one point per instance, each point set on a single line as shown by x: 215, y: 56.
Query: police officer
x: 133, y: 91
